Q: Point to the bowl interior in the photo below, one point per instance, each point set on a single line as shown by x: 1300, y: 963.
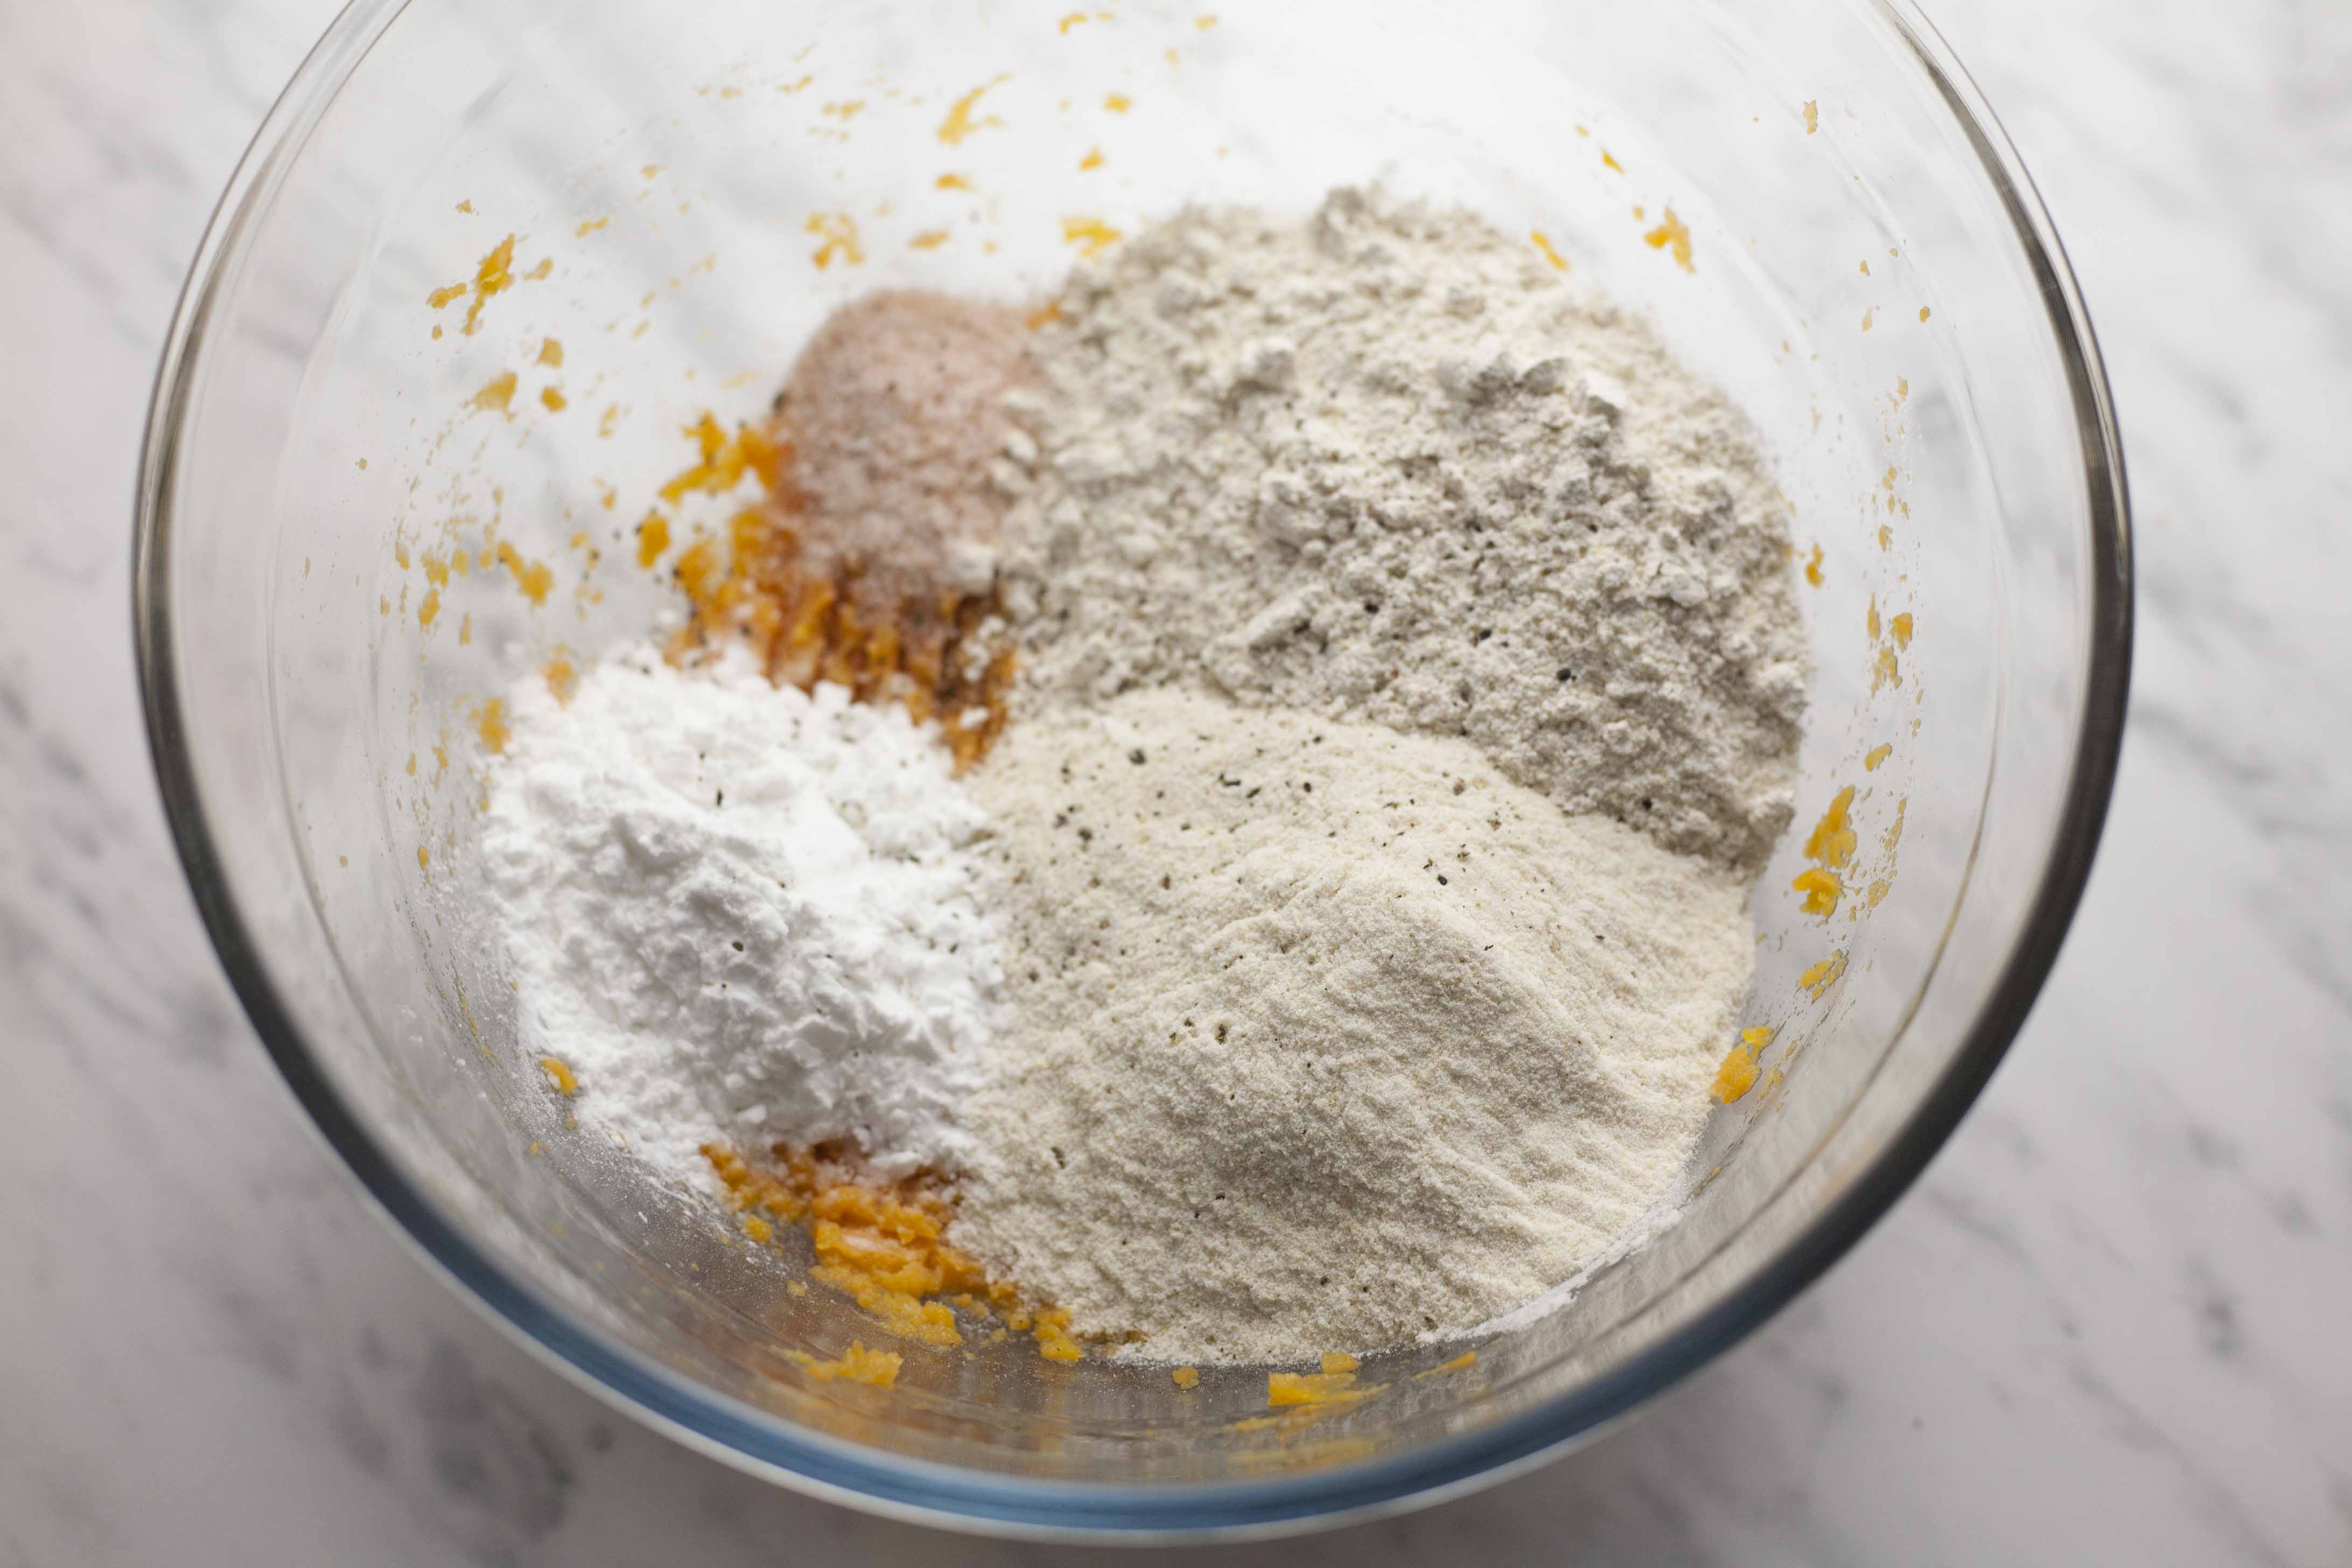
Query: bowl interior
x: 355, y: 544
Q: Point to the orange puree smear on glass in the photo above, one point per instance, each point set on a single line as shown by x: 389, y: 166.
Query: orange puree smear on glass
x: 1829, y: 846
x: 533, y: 577
x: 856, y: 1364
x: 1736, y: 1076
x: 497, y: 393
x: 491, y: 724
x: 1821, y: 976
x: 1287, y: 1389
x: 1673, y: 235
x: 1822, y: 889
x: 883, y: 1244
x: 1833, y: 840
x: 493, y: 275
x: 959, y: 122
x: 1303, y: 1399
x: 1090, y: 234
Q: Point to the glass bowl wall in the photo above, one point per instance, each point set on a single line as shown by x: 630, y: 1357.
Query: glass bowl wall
x: 352, y: 541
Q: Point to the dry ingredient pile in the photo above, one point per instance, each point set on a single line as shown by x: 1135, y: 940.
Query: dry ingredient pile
x: 741, y: 914
x: 1386, y: 465
x: 1326, y: 1035
x: 1228, y: 811
x: 896, y: 412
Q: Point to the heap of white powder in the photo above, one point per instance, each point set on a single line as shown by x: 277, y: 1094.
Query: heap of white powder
x: 742, y: 913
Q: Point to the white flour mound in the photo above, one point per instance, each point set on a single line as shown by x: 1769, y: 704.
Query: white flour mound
x: 1327, y: 1036
x: 1385, y: 464
x: 742, y: 912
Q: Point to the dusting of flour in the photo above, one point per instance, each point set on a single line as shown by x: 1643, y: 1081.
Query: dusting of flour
x: 1327, y: 1036
x: 743, y: 913
x: 1385, y: 464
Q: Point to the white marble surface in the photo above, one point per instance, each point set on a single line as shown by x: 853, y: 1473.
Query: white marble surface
x: 2108, y: 1325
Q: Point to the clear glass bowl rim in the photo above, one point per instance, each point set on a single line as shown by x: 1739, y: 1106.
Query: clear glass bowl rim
x: 978, y: 1502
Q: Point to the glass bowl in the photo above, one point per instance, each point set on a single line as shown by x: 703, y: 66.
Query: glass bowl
x: 372, y: 497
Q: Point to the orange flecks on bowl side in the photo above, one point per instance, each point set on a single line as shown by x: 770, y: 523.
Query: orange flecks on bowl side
x: 652, y: 538
x: 1090, y: 234
x: 1829, y: 846
x: 837, y: 238
x: 1822, y: 889
x: 494, y: 274
x: 725, y: 459
x: 491, y: 724
x: 959, y: 122
x: 1736, y: 1076
x: 1674, y: 236
x: 533, y: 577
x: 1817, y: 980
x: 497, y: 393
x: 1321, y: 1391
x: 1833, y: 840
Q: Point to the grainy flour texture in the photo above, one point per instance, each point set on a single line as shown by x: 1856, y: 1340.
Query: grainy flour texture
x: 1386, y: 464
x: 742, y: 912
x: 895, y: 415
x: 1326, y: 1035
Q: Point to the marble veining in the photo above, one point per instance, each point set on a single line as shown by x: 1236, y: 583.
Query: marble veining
x: 2107, y: 1325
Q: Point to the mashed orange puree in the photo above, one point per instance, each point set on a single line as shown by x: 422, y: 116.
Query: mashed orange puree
x: 937, y: 655
x: 883, y: 1244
